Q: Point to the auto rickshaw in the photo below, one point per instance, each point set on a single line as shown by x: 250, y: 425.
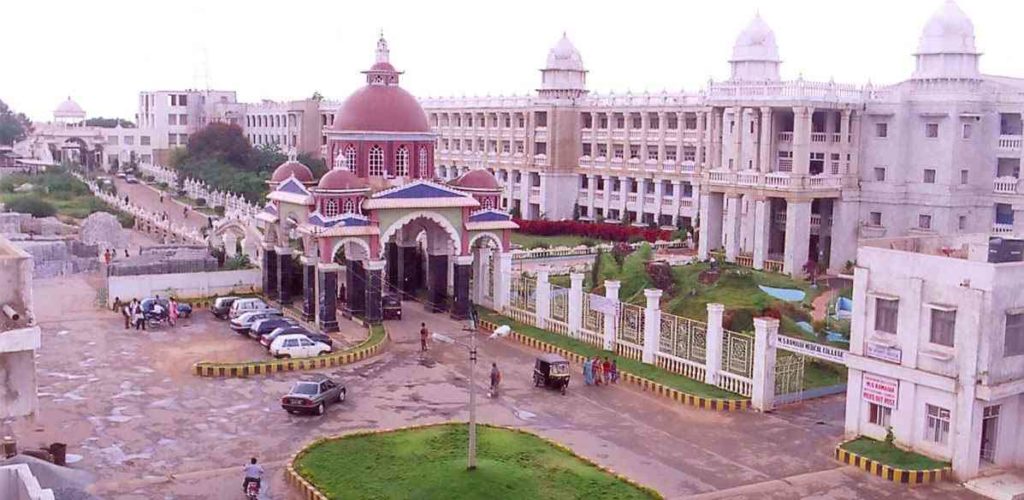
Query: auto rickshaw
x: 551, y: 370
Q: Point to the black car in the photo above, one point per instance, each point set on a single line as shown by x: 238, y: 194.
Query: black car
x: 313, y: 394
x: 156, y: 314
x: 221, y: 307
x: 265, y: 326
x: 268, y: 339
x: 391, y: 305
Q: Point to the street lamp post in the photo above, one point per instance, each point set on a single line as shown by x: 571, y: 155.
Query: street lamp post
x: 471, y: 347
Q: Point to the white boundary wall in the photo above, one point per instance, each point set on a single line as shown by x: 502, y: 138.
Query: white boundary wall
x: 183, y: 285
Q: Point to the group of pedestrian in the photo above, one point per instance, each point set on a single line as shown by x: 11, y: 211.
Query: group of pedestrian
x: 600, y: 372
x: 135, y: 316
x: 111, y: 253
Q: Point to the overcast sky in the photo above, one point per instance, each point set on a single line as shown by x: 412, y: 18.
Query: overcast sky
x: 103, y: 52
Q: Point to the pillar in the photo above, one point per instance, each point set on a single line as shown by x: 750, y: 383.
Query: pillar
x: 591, y: 188
x: 765, y: 143
x: 798, y: 236
x: 713, y: 350
x: 269, y: 271
x: 392, y: 283
x: 611, y: 316
x: 843, y: 235
x: 765, y: 331
x: 738, y: 131
x: 543, y: 291
x: 327, y: 310
x: 710, y: 224
x: 408, y: 269
x: 802, y: 139
x: 732, y: 227
x: 230, y: 245
x: 503, y: 288
x: 284, y: 276
x: 641, y: 196
x: 481, y: 275
x: 355, y: 288
x: 652, y: 324
x: 437, y: 286
x: 762, y: 230
x: 575, y: 303
x: 374, y: 273
x: 462, y: 275
x: 308, y: 288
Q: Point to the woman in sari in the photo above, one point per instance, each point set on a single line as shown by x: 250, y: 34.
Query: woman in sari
x: 588, y: 372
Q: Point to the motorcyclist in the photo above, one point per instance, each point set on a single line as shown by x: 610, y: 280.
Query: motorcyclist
x: 253, y: 474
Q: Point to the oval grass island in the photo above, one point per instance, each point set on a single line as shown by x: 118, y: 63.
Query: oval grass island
x: 430, y: 462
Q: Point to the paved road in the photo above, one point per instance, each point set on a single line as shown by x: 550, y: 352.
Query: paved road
x: 149, y: 198
x: 127, y: 402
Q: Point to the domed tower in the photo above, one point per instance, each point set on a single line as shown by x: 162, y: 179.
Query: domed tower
x: 291, y: 168
x: 68, y: 112
x: 946, y: 49
x: 381, y: 133
x: 563, y: 76
x: 482, y: 185
x: 755, y: 57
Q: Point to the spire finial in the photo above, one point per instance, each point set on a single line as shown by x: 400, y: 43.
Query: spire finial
x: 382, y: 48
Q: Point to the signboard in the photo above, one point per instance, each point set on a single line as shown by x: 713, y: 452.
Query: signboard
x: 814, y: 350
x: 882, y: 391
x: 603, y: 304
x: 883, y: 352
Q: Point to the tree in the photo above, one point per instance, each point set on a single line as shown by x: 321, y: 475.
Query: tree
x: 102, y: 122
x: 221, y: 142
x: 317, y: 96
x: 13, y: 126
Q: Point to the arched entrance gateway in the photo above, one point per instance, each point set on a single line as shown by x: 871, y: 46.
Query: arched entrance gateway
x: 378, y: 223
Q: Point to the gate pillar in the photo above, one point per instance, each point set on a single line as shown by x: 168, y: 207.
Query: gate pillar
x: 713, y: 349
x: 611, y: 313
x: 765, y: 331
x: 652, y: 324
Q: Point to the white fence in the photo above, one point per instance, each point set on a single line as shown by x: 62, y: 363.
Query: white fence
x: 183, y: 285
x: 582, y: 251
x: 234, y: 204
x: 146, y: 220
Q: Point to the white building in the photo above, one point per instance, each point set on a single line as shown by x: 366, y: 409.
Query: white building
x: 781, y: 172
x: 937, y: 350
x: 288, y: 125
x: 170, y: 116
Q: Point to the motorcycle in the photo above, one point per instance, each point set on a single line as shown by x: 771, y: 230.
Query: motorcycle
x: 252, y: 491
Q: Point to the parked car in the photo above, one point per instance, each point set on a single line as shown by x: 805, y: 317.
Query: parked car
x: 222, y: 306
x: 264, y: 326
x: 313, y: 395
x: 242, y: 306
x: 156, y: 314
x: 268, y: 339
x: 297, y: 345
x: 131, y: 179
x: 241, y: 324
x: 392, y: 306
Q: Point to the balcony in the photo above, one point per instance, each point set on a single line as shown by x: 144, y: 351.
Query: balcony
x: 686, y: 203
x: 785, y: 136
x: 748, y: 178
x: 636, y: 134
x: 818, y: 136
x: 1005, y: 185
x: 1009, y: 143
x: 837, y: 137
x: 1002, y: 228
x: 649, y: 199
x: 631, y: 198
x: 687, y: 166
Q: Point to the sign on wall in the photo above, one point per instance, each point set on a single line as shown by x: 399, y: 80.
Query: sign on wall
x: 812, y: 349
x: 882, y: 391
x: 603, y: 304
x: 883, y: 352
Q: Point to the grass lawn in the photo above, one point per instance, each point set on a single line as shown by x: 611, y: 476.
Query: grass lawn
x: 71, y: 198
x: 651, y: 372
x: 529, y: 241
x: 891, y: 455
x: 430, y: 463
x: 737, y: 288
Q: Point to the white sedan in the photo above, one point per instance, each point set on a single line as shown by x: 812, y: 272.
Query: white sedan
x: 297, y: 346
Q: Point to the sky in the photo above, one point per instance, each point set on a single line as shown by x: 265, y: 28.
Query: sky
x: 104, y: 52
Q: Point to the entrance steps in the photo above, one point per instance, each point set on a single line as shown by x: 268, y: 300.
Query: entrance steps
x: 1000, y: 485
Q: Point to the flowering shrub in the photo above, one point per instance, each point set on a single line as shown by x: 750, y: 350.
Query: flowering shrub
x: 607, y: 232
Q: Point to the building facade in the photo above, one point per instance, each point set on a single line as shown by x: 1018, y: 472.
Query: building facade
x: 773, y: 173
x: 170, y: 116
x: 937, y: 350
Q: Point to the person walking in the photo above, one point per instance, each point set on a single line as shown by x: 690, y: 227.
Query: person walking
x: 127, y: 313
x: 598, y: 371
x: 172, y: 311
x: 607, y: 370
x: 588, y: 372
x: 424, y: 333
x: 615, y: 372
x: 495, y: 380
x: 106, y: 256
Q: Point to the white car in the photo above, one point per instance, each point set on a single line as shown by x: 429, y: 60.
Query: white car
x: 244, y: 322
x: 297, y: 346
x: 242, y: 306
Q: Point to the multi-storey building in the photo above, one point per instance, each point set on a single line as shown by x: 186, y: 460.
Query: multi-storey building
x: 288, y: 125
x: 773, y: 173
x: 170, y: 116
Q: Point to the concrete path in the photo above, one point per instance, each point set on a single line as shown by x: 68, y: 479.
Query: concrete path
x: 148, y: 198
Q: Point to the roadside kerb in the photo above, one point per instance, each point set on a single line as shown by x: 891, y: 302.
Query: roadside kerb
x: 889, y: 473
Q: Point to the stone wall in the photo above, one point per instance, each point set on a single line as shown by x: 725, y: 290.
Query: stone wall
x: 167, y: 259
x: 184, y: 285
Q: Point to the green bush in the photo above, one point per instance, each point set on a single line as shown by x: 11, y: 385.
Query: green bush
x: 219, y: 210
x: 201, y: 202
x: 31, y: 204
x: 127, y: 220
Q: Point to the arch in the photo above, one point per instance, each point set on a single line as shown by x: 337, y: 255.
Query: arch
x: 477, y: 236
x: 447, y: 226
x: 330, y: 207
x: 231, y: 226
x: 350, y: 207
x: 350, y: 158
x: 375, y: 162
x: 365, y: 245
x: 422, y: 162
x: 402, y: 161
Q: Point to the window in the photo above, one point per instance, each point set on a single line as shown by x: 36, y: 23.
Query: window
x: 931, y: 130
x: 618, y: 152
x: 350, y: 158
x: 541, y: 118
x: 886, y: 314
x: 330, y: 208
x: 875, y: 218
x: 506, y: 147
x: 587, y: 149
x: 1013, y: 342
x: 602, y: 150
x: 620, y: 121
x: 965, y: 176
x: 488, y: 203
x: 182, y: 100
x: 172, y: 139
x: 937, y: 427
x: 942, y: 327
x: 182, y: 119
x: 637, y: 121
x: 881, y: 130
x: 520, y: 147
x: 183, y: 139
x: 673, y: 121
x: 584, y: 182
x: 350, y: 207
x: 652, y: 153
x: 402, y: 161
x: 376, y: 161
x: 967, y: 130
x: 172, y: 119
x: 691, y: 121
x: 670, y: 153
x: 880, y: 415
x: 144, y: 140
x: 112, y: 140
x: 929, y: 176
x: 129, y: 141
x: 689, y: 153
x: 540, y: 148
x: 422, y: 161
x: 924, y: 221
x: 962, y: 222
x: 879, y: 174
x: 634, y: 152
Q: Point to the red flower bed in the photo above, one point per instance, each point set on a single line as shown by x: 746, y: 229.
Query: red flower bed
x: 609, y: 232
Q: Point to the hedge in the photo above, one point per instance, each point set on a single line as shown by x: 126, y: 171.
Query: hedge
x: 608, y: 232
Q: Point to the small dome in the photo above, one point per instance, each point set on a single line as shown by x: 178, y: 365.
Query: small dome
x: 383, y: 66
x: 756, y: 43
x: 69, y: 108
x: 381, y: 108
x: 341, y: 180
x: 479, y: 179
x: 565, y: 56
x: 290, y: 168
x: 949, y: 31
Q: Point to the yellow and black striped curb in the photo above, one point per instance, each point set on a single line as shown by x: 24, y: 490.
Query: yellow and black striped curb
x: 245, y: 369
x: 311, y: 492
x: 892, y: 473
x: 644, y: 384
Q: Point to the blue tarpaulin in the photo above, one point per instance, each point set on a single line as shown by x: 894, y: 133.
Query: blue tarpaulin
x: 786, y: 294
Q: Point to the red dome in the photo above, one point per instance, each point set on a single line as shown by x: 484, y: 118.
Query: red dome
x: 383, y: 66
x: 290, y: 168
x: 381, y: 108
x: 341, y: 180
x: 477, y: 179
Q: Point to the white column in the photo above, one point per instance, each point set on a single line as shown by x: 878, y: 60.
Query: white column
x: 481, y: 273
x: 798, y: 236
x: 591, y: 188
x: 732, y: 228
x: 641, y: 197
x: 543, y: 299
x: 765, y: 142
x: 652, y: 324
x: 611, y: 323
x: 503, y: 289
x: 677, y: 200
x: 802, y: 139
x: 713, y: 350
x: 230, y: 245
x: 765, y: 331
x: 659, y: 193
x: 608, y: 184
x: 575, y: 304
x: 710, y: 224
x: 762, y: 229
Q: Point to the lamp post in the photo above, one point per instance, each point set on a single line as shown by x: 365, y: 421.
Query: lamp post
x: 471, y: 347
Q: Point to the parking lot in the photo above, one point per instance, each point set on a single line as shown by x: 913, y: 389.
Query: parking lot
x: 148, y: 428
